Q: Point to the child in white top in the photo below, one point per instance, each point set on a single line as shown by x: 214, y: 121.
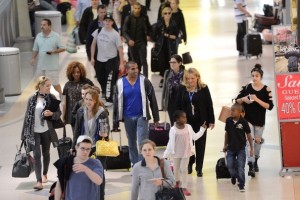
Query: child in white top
x: 181, y: 147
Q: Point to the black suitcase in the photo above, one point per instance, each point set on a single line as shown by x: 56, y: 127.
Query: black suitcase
x: 160, y: 134
x: 221, y: 169
x: 154, y: 61
x: 120, y: 162
x: 252, y: 44
x: 64, y: 145
x: 63, y: 8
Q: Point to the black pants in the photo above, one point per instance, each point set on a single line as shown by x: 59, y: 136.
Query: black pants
x: 139, y: 54
x: 241, y: 32
x: 107, y: 74
x: 200, y: 151
x: 44, y: 140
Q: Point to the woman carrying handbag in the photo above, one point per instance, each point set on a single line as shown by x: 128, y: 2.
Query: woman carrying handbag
x: 38, y: 127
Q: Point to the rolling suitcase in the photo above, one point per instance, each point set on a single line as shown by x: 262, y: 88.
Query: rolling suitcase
x: 122, y: 161
x: 221, y: 169
x: 160, y: 134
x: 154, y: 61
x: 64, y: 145
x: 252, y: 44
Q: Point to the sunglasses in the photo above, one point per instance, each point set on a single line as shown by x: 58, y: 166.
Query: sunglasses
x: 167, y: 13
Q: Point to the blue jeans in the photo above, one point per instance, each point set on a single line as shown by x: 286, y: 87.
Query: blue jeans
x: 256, y: 132
x: 136, y: 131
x: 236, y: 161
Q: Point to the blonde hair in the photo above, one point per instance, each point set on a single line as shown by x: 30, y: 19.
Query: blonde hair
x: 40, y: 81
x: 164, y: 10
x: 195, y: 72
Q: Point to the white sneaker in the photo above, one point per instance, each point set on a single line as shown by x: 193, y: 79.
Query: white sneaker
x: 108, y: 104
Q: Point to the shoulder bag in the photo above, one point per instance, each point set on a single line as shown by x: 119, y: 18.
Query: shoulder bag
x: 23, y: 164
x: 168, y: 193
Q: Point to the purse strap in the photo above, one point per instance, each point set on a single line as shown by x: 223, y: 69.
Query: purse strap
x: 162, y: 166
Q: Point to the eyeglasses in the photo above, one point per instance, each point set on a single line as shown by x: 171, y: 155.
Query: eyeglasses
x: 85, y: 149
x: 172, y: 62
x: 167, y: 13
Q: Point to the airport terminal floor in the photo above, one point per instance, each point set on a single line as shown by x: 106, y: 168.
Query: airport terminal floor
x: 211, y: 31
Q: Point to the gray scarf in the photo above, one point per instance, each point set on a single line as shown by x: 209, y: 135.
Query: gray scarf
x: 91, y: 131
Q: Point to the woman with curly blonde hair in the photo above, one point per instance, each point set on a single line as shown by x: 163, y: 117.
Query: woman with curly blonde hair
x: 76, y: 75
x: 195, y: 100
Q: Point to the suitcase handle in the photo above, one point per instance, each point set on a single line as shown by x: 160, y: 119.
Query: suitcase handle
x: 120, y: 137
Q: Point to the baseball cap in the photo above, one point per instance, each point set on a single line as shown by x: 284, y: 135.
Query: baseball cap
x: 108, y: 16
x: 84, y: 137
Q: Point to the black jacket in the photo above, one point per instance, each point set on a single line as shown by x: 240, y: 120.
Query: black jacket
x: 179, y: 19
x: 127, y: 11
x: 203, y: 107
x: 136, y: 28
x: 86, y: 19
x: 158, y: 36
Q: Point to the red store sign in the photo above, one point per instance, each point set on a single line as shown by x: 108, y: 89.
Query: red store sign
x: 288, y: 96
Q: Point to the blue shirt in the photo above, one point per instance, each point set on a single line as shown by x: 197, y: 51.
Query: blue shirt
x: 132, y: 98
x: 80, y: 187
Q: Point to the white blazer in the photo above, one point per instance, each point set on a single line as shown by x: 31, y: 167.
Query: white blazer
x: 170, y: 150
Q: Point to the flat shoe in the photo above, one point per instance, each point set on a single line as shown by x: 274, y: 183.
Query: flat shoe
x: 38, y: 188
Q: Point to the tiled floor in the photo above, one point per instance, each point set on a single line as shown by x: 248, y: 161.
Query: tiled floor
x: 211, y: 41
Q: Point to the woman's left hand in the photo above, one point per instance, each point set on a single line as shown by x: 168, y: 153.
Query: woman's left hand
x: 48, y: 113
x: 211, y: 126
x: 157, y: 182
x: 253, y: 97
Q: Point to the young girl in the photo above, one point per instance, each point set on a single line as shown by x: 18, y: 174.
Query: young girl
x: 180, y: 147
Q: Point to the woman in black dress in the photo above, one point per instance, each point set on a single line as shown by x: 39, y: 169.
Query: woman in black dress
x: 194, y: 98
x: 165, y: 35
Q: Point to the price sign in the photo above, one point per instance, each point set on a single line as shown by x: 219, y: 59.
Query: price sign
x: 288, y: 95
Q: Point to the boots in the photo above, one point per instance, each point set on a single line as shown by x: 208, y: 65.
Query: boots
x: 256, y: 168
x: 251, y: 171
x: 177, y: 184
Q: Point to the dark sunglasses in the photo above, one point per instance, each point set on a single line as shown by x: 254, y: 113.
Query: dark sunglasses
x: 167, y: 13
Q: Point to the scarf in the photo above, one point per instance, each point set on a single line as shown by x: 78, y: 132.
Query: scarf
x: 29, y: 118
x: 174, y: 80
x: 91, y: 131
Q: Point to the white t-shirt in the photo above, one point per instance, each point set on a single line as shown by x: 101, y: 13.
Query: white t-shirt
x: 108, y: 43
x: 40, y: 105
x: 239, y: 15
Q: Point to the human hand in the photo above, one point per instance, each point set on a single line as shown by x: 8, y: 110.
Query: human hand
x: 48, y: 113
x: 156, y: 124
x: 157, y: 182
x: 211, y: 126
x: 252, y: 97
x: 148, y: 38
x: 246, y: 99
x: 248, y: 14
x: 32, y: 61
x: 224, y: 148
x: 77, y: 168
x: 92, y: 61
x: 131, y: 43
x: 103, y: 134
x: 204, y: 125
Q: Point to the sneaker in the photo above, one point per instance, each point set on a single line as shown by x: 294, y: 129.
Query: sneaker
x: 233, y: 180
x: 186, y: 192
x: 251, y: 171
x: 108, y: 104
x: 242, y: 189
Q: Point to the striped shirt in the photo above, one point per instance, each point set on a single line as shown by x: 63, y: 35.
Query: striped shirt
x: 239, y: 15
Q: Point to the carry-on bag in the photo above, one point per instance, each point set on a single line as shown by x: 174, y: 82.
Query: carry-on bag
x: 24, y: 163
x: 221, y: 169
x: 252, y: 44
x: 64, y: 145
x: 154, y: 61
x: 122, y: 161
x: 160, y: 134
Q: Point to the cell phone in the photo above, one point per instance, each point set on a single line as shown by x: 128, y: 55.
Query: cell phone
x: 48, y: 52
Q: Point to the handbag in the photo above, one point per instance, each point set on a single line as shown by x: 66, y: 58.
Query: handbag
x: 187, y: 58
x: 168, y: 193
x: 71, y: 43
x: 225, y: 113
x: 58, y: 124
x: 23, y: 164
x: 107, y: 148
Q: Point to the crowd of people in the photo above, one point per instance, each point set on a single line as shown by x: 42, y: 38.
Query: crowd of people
x: 185, y: 97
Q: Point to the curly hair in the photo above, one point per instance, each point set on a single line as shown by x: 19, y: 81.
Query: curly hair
x: 72, y: 66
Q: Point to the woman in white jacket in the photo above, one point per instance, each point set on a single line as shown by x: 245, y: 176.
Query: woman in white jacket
x: 181, y: 147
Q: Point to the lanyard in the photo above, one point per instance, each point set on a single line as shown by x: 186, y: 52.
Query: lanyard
x: 191, y: 94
